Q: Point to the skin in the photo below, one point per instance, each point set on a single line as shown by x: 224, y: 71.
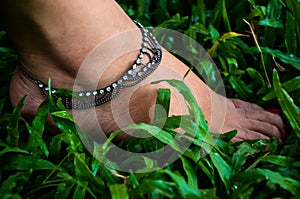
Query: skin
x: 56, y: 38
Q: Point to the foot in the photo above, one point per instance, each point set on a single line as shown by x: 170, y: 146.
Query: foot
x: 56, y: 48
x: 134, y: 105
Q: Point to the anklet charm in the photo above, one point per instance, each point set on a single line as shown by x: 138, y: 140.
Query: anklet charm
x: 139, y: 71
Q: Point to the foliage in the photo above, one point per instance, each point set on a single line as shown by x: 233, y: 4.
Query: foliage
x: 35, y: 164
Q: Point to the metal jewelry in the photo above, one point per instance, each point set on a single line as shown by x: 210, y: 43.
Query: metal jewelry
x: 150, y: 51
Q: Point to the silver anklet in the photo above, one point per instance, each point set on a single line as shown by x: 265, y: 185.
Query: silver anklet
x: 138, y: 72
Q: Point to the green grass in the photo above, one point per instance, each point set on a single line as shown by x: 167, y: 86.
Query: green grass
x: 37, y: 165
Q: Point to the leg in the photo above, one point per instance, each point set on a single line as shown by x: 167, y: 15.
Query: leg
x: 58, y: 35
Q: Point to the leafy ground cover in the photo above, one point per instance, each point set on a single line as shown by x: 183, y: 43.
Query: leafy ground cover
x: 261, y: 67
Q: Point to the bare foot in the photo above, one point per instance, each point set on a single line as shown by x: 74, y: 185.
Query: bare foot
x: 55, y: 45
x: 134, y: 105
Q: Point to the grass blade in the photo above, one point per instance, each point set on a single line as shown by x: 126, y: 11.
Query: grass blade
x: 291, y: 111
x: 290, y: 59
x: 223, y: 169
x: 288, y: 86
x: 194, y: 108
x: 189, y: 171
x: 162, y: 103
x: 184, y: 189
x: 285, y: 182
x: 118, y: 191
x: 25, y: 162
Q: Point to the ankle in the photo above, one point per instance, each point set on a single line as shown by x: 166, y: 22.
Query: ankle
x: 56, y: 38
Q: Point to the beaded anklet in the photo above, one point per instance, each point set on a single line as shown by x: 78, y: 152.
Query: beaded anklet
x: 138, y: 72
